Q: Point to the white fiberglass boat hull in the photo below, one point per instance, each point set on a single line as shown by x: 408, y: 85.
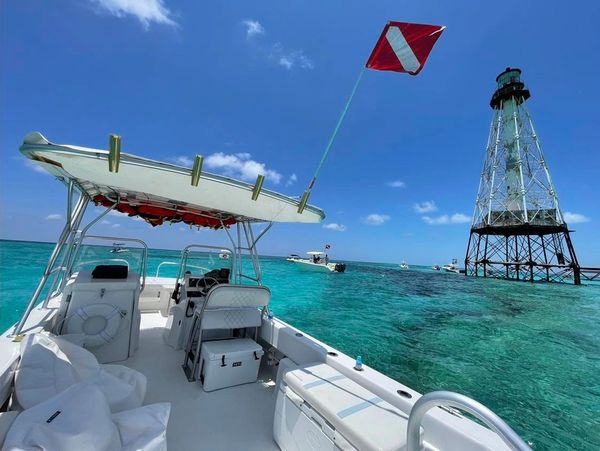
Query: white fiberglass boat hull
x: 311, y: 266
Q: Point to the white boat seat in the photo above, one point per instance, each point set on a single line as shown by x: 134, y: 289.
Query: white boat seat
x: 226, y: 306
x: 50, y: 365
x: 365, y: 420
x: 79, y: 418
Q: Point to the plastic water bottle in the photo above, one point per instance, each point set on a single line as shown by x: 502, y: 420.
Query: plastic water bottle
x: 358, y: 364
x: 270, y: 315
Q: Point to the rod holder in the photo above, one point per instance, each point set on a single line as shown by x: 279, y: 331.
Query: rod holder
x: 114, y: 153
x: 303, y: 201
x: 196, y: 170
x: 258, y: 186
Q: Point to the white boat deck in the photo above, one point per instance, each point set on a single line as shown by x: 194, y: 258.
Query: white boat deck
x: 232, y: 418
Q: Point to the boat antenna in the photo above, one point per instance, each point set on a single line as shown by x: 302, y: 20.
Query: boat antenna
x: 401, y: 47
x: 306, y: 195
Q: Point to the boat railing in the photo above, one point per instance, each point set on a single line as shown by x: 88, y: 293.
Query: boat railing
x: 103, y: 260
x: 453, y: 400
x: 143, y: 262
x: 201, y: 268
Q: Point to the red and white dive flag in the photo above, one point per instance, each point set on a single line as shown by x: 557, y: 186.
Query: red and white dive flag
x: 404, y: 47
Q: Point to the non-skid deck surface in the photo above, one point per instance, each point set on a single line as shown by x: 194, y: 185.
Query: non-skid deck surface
x: 233, y: 418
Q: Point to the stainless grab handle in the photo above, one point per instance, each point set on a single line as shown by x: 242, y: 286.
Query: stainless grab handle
x: 456, y: 400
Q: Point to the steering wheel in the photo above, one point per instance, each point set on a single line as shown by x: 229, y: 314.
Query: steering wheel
x: 207, y: 282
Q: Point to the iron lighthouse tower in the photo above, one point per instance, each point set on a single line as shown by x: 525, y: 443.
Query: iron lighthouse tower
x: 518, y: 230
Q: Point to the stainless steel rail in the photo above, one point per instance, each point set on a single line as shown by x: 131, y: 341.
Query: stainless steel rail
x: 202, y: 268
x: 71, y: 224
x: 143, y: 263
x: 462, y: 402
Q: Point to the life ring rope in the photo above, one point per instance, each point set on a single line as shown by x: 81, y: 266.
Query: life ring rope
x: 112, y: 315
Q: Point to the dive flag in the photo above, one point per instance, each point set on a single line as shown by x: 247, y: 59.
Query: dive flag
x: 404, y: 47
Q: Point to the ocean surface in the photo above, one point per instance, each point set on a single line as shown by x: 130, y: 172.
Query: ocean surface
x: 529, y: 352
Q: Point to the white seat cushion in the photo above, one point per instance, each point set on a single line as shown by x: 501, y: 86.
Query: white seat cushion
x: 50, y: 364
x: 78, y: 418
x: 365, y: 420
x: 144, y: 428
x: 6, y: 421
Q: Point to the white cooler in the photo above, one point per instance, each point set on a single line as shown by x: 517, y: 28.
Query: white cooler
x: 225, y: 363
x: 319, y: 408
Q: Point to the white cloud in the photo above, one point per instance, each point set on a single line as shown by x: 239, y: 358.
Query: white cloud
x: 35, y: 167
x: 335, y: 226
x: 375, y: 219
x: 291, y: 180
x: 425, y: 207
x: 396, y: 184
x: 240, y: 165
x: 253, y: 28
x: 146, y: 11
x: 291, y: 59
x: 182, y: 160
x: 456, y: 218
x: 276, y: 51
x: 105, y: 222
x: 114, y: 226
x: 575, y: 218
x: 53, y: 217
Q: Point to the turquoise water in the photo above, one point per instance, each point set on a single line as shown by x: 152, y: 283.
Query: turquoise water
x: 529, y: 352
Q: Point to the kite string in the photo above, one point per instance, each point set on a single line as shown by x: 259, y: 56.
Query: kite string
x: 335, y: 131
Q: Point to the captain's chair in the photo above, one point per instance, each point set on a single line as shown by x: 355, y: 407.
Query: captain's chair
x: 226, y: 307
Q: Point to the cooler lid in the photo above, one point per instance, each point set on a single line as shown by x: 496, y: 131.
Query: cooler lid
x: 235, y: 348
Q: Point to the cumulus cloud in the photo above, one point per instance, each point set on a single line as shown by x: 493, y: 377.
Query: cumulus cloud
x: 575, y: 218
x: 425, y: 207
x: 146, y: 11
x: 276, y: 52
x: 336, y: 227
x: 53, y: 217
x: 291, y: 180
x: 396, y: 184
x: 240, y: 165
x: 35, y: 167
x: 253, y: 27
x: 456, y: 218
x: 289, y: 60
x: 182, y: 160
x: 375, y: 219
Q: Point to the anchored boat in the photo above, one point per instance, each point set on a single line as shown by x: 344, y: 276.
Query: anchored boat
x: 113, y: 358
x: 452, y: 266
x: 317, y: 261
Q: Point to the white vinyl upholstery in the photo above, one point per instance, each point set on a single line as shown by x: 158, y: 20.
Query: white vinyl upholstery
x: 234, y: 306
x: 6, y: 421
x: 79, y: 418
x: 50, y: 365
x: 366, y: 421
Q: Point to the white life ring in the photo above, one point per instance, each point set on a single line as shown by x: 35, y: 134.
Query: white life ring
x: 99, y: 323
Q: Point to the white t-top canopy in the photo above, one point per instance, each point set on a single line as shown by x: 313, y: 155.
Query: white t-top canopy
x: 316, y: 253
x: 162, y: 192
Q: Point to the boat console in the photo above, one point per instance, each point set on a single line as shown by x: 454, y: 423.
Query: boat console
x: 101, y: 306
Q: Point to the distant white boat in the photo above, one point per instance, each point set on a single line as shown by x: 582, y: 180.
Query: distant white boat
x: 225, y: 254
x: 118, y: 248
x: 317, y: 261
x: 436, y: 267
x: 404, y: 265
x: 452, y: 267
x: 293, y: 257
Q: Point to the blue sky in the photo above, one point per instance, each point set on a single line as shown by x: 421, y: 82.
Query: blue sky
x: 263, y: 83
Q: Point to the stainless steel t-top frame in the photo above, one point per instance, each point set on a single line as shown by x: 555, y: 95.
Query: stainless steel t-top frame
x: 69, y: 245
